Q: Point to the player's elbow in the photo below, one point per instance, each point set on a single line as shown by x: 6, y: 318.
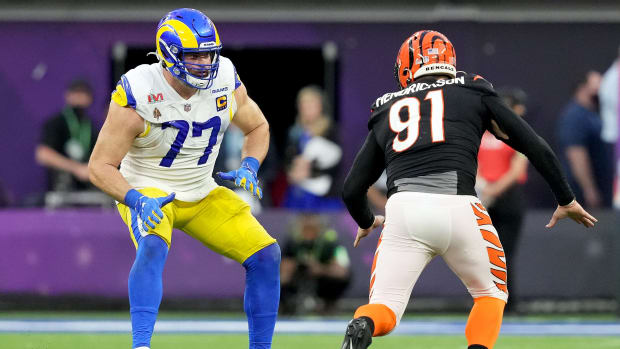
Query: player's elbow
x: 264, y: 126
x: 92, y: 169
x: 95, y: 170
x: 259, y: 130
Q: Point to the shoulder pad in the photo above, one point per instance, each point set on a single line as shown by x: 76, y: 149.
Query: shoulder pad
x: 228, y: 72
x: 385, y: 98
x: 477, y: 82
x: 132, y: 86
x: 379, y: 104
x: 236, y: 75
x: 375, y: 112
x: 123, y: 94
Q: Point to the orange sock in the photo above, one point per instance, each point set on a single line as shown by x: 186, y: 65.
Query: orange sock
x: 485, y: 320
x: 383, y: 317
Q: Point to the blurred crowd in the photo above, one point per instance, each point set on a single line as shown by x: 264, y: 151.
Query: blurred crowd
x: 305, y: 179
x: 306, y: 174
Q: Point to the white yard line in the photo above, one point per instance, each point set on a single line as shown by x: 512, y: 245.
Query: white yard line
x: 305, y: 327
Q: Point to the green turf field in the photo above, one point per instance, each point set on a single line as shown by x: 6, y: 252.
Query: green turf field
x: 165, y: 341
x: 287, y: 341
x: 184, y: 315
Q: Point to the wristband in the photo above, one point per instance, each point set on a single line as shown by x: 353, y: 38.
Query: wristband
x: 251, y: 163
x: 132, y: 197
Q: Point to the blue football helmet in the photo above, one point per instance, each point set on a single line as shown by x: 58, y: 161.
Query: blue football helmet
x: 185, y: 31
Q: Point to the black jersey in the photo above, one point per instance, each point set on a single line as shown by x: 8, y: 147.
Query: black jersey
x: 427, y: 138
x: 430, y: 134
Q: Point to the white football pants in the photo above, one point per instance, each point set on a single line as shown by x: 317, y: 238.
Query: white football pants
x: 419, y: 226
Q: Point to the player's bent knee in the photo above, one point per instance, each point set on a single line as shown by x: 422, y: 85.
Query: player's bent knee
x: 493, y: 292
x: 153, y: 247
x: 276, y: 253
x: 266, y: 258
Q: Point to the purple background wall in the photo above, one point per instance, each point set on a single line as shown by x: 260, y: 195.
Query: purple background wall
x: 541, y: 58
x: 89, y: 252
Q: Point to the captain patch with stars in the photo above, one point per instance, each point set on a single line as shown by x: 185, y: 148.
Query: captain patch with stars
x: 221, y: 102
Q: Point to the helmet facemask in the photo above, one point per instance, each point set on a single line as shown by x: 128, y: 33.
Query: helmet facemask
x: 195, y: 75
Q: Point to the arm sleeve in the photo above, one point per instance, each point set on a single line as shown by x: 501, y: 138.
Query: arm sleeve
x: 367, y: 167
x: 522, y: 138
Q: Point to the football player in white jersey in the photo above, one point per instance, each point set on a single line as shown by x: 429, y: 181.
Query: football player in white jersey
x: 164, y: 128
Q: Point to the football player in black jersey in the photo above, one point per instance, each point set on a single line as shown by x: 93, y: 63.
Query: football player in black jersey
x: 426, y: 136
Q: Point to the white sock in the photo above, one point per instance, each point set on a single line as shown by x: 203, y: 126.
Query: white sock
x: 142, y: 348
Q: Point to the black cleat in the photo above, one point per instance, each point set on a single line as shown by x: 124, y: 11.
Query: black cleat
x: 359, y: 334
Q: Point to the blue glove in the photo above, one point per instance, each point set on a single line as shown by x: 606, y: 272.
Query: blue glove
x: 245, y: 176
x: 147, y: 208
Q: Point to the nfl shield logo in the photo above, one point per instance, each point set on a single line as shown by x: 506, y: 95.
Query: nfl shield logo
x: 187, y: 107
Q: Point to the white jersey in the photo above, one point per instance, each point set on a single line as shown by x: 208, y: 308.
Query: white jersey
x: 182, y: 137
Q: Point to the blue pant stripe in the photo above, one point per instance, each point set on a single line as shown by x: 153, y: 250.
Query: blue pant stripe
x: 134, y: 226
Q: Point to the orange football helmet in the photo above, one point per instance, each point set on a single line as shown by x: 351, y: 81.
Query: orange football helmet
x: 424, y: 53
